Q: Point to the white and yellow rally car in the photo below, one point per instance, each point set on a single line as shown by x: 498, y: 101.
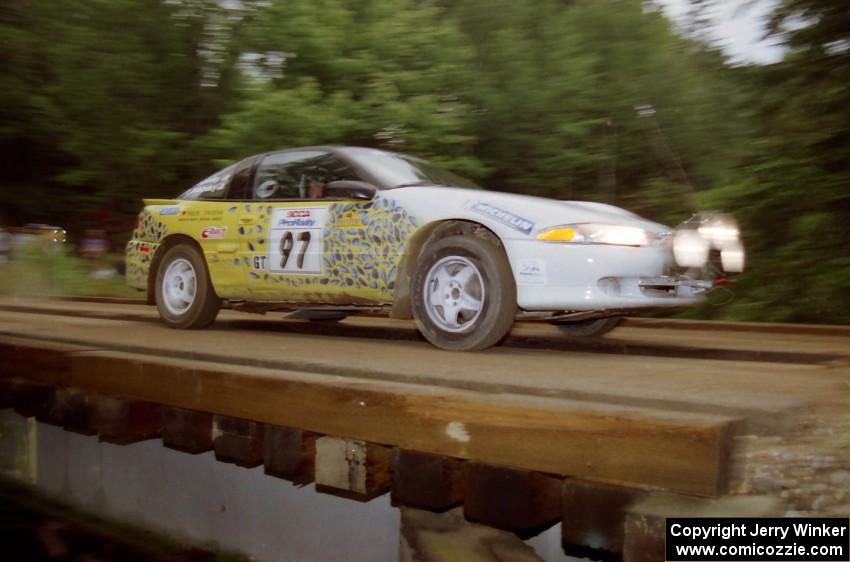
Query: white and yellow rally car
x: 332, y: 231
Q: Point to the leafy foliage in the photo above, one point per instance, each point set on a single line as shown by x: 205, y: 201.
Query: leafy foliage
x: 792, y: 196
x: 105, y: 101
x: 373, y: 73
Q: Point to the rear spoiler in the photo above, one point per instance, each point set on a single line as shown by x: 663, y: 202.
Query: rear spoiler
x: 160, y: 201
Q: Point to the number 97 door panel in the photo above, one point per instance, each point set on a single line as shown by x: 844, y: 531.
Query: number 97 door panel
x: 331, y: 252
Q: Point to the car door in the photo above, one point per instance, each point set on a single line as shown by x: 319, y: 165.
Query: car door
x: 209, y: 214
x: 298, y: 242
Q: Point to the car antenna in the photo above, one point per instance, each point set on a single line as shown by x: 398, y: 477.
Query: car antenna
x: 647, y: 111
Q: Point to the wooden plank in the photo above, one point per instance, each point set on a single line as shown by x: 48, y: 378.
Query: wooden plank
x: 125, y: 421
x: 44, y: 408
x: 624, y: 445
x: 352, y: 468
x: 238, y: 441
x: 508, y: 498
x: 45, y: 361
x: 32, y: 400
x: 290, y: 454
x: 593, y: 516
x: 72, y: 408
x: 189, y: 431
x: 614, y: 444
x: 643, y: 535
x: 426, y: 481
x: 7, y: 397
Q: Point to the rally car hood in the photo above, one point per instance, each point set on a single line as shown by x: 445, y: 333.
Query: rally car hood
x: 539, y: 213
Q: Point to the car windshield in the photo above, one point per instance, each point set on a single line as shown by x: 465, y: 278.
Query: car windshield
x: 393, y: 170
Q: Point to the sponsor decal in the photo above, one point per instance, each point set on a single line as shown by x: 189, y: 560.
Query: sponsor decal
x: 298, y: 213
x: 213, y: 232
x: 531, y: 272
x: 505, y: 217
x: 188, y: 216
x: 266, y: 189
x: 213, y: 212
x: 168, y: 211
x: 212, y: 183
x: 296, y: 223
x: 144, y: 249
x: 349, y: 220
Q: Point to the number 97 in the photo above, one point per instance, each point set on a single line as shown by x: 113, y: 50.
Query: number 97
x: 287, y: 242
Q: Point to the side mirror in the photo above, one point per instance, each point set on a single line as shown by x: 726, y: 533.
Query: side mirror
x: 350, y: 189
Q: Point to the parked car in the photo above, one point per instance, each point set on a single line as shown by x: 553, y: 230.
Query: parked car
x: 333, y: 231
x: 15, y: 238
x: 6, y: 241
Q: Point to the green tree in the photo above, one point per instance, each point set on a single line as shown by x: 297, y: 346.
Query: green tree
x: 373, y: 73
x: 109, y: 94
x: 599, y: 100
x: 793, y: 196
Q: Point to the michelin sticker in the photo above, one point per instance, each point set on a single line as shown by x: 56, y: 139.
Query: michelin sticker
x: 295, y: 240
x: 531, y: 272
x: 507, y: 218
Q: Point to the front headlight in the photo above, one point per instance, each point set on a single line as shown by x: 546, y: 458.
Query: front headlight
x: 589, y: 233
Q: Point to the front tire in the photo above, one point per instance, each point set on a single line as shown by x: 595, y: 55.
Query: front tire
x: 464, y: 295
x: 184, y: 294
x: 588, y: 328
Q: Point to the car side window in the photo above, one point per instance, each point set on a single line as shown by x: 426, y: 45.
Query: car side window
x: 240, y: 179
x: 299, y: 175
x: 278, y: 176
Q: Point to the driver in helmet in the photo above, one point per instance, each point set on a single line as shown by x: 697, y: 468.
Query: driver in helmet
x: 315, y: 188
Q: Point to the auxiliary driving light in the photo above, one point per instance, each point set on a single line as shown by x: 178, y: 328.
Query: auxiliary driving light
x: 690, y: 248
x: 732, y: 257
x: 698, y: 236
x: 720, y: 229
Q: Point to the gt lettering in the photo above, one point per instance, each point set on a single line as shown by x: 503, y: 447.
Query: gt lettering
x: 260, y: 262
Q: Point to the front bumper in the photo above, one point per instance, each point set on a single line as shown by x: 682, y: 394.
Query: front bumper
x: 571, y: 277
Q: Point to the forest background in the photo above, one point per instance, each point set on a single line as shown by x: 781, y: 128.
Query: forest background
x: 103, y: 102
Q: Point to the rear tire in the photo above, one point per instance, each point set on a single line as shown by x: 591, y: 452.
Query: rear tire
x: 588, y: 328
x: 184, y: 294
x: 464, y: 295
